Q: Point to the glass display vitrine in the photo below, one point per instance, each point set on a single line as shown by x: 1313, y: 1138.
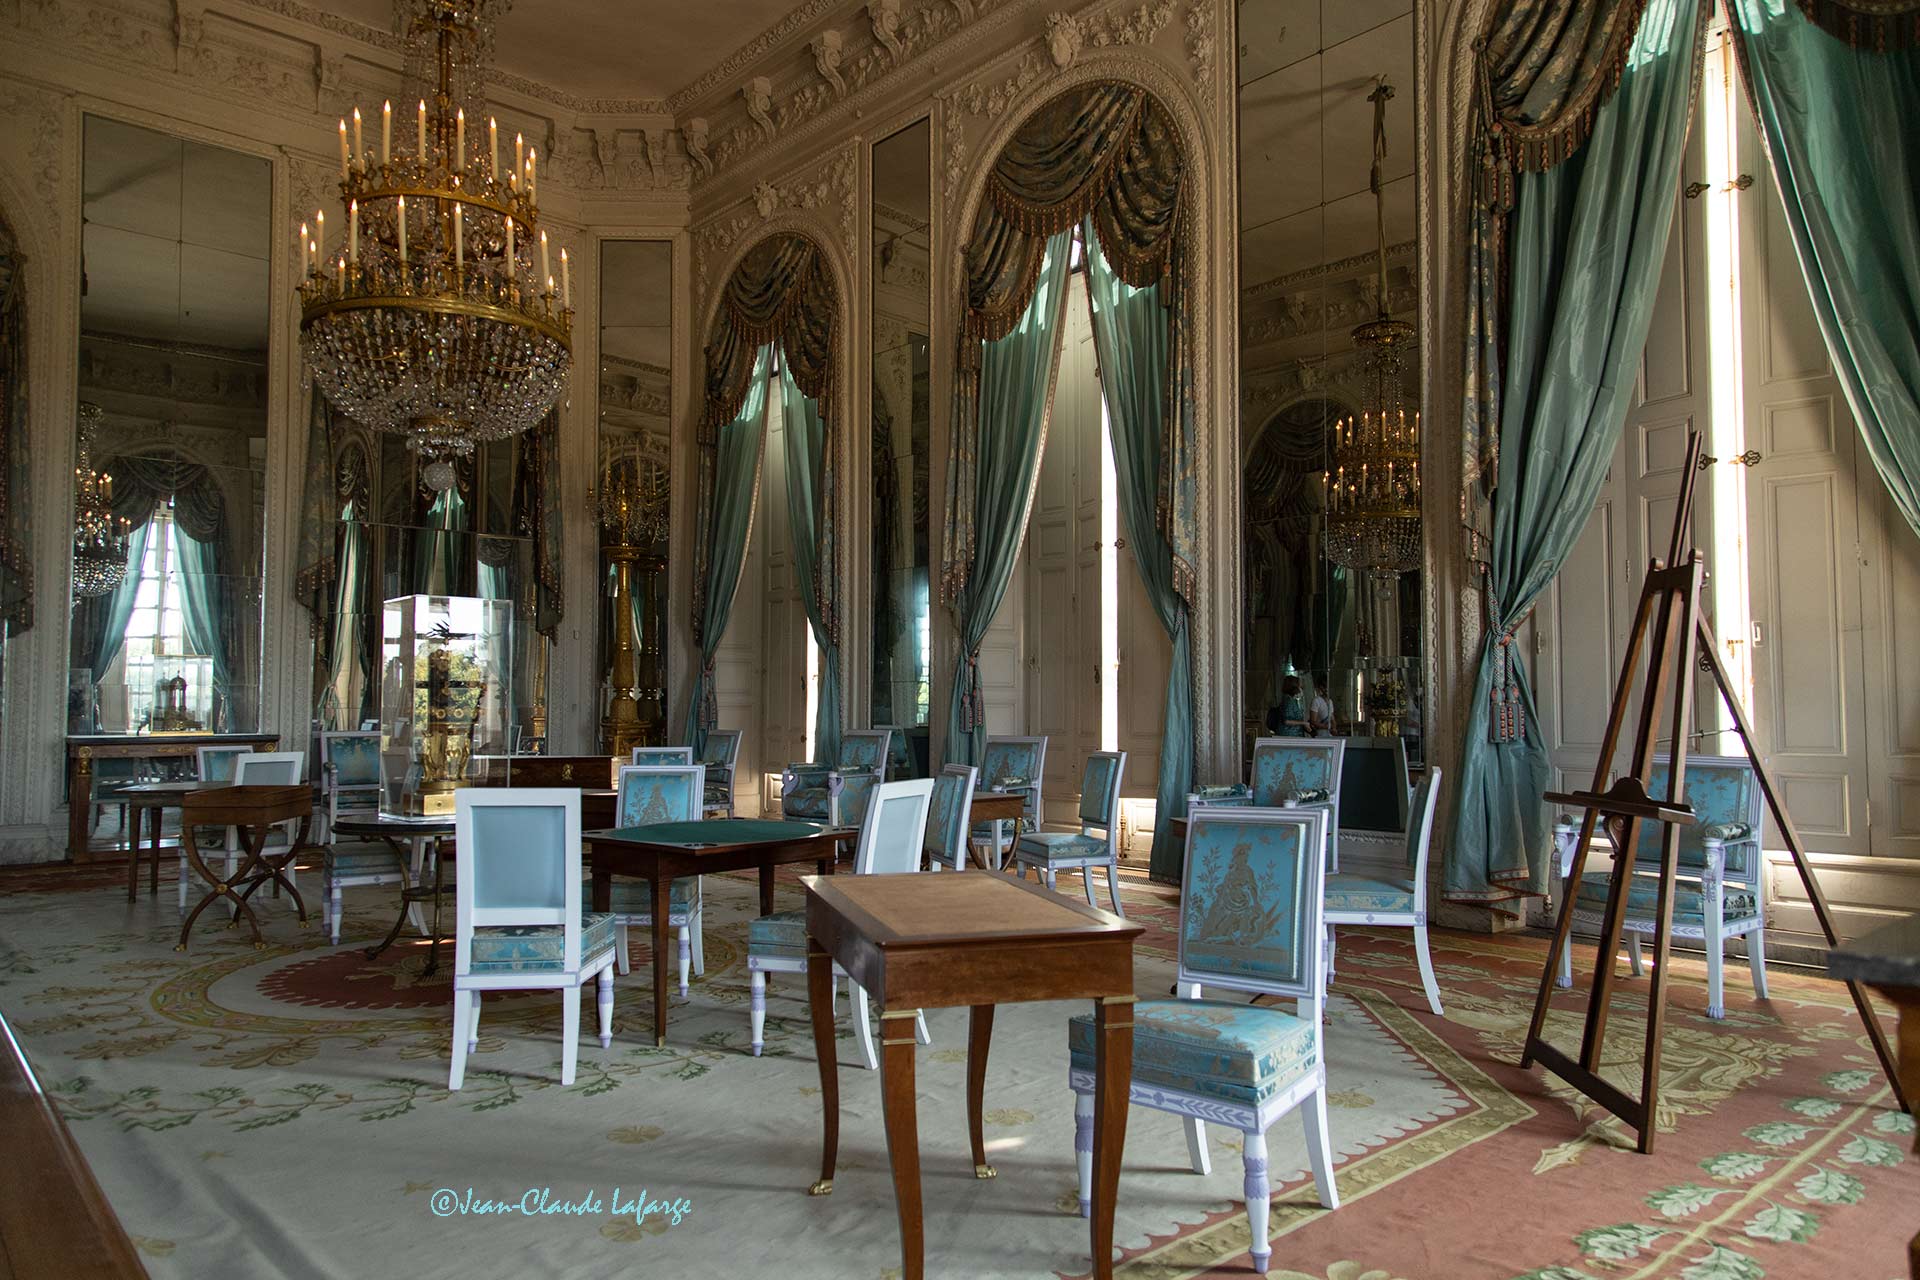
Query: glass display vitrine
x: 446, y: 694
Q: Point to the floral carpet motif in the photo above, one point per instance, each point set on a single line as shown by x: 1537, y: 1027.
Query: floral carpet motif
x: 284, y: 1112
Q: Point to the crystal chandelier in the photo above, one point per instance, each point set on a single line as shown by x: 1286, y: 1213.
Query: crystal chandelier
x: 1373, y: 474
x: 438, y: 317
x: 99, y: 536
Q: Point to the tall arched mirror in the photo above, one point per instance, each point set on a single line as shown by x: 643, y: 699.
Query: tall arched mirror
x: 900, y: 444
x: 1330, y: 532
x: 172, y: 437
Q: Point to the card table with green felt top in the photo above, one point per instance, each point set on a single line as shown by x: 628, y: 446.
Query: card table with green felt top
x: 662, y: 852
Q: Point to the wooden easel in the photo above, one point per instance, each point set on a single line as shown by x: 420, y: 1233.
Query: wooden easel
x: 1669, y: 603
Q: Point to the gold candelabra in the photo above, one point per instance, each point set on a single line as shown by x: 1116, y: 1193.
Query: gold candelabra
x: 633, y: 510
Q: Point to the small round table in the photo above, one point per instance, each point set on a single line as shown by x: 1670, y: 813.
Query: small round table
x: 417, y: 831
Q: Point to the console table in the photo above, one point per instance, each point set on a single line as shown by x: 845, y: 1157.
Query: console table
x: 83, y: 750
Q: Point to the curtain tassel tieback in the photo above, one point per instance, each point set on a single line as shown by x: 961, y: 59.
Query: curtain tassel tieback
x: 973, y: 702
x: 709, y: 697
x: 1508, y: 720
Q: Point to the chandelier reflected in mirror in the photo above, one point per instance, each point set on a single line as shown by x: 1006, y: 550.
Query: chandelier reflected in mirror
x: 99, y: 536
x: 437, y: 314
x: 1373, y: 470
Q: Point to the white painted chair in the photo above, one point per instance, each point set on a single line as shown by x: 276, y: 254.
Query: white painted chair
x: 1394, y: 902
x: 1722, y: 847
x: 215, y: 764
x: 662, y: 755
x: 352, y: 783
x: 519, y: 923
x: 1250, y: 922
x: 722, y: 753
x: 946, y: 838
x: 650, y: 793
x: 891, y: 842
x: 1009, y: 763
x: 1051, y: 852
x: 837, y: 794
x: 1289, y: 772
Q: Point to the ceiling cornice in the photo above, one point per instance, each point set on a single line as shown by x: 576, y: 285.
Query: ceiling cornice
x: 769, y: 42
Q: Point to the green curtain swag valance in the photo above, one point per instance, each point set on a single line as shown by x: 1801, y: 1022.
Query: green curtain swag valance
x: 143, y: 482
x: 16, y: 498
x: 1542, y: 70
x: 1876, y: 25
x: 1589, y: 237
x: 1850, y: 188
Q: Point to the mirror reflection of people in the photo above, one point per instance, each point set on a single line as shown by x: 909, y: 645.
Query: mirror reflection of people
x: 1289, y: 719
x: 1320, y: 710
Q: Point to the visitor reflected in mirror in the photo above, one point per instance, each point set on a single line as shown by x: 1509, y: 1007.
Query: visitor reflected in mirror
x: 1289, y: 718
x: 1320, y: 709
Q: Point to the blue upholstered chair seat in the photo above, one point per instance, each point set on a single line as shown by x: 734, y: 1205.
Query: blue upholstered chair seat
x: 539, y: 948
x: 1643, y: 899
x: 632, y: 897
x: 1223, y: 1049
x: 1059, y: 846
x: 784, y: 933
x: 1364, y: 893
x: 717, y: 793
x: 346, y: 861
x: 807, y: 802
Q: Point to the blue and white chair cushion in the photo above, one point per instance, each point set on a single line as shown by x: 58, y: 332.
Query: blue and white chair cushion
x: 1061, y: 846
x: 1689, y: 901
x: 1211, y: 1048
x: 1365, y: 893
x: 539, y: 948
x: 784, y: 933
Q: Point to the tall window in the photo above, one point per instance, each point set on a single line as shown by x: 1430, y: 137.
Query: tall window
x: 156, y: 624
x: 1109, y: 552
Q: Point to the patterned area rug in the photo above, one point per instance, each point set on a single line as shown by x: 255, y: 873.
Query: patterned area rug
x: 284, y: 1112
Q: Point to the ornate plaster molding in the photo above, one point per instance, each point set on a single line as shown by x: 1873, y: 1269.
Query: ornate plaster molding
x: 828, y: 187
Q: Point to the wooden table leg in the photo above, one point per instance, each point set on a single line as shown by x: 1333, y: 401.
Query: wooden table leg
x: 662, y: 898
x: 903, y: 1134
x: 979, y: 1036
x: 153, y: 874
x: 820, y: 998
x: 1113, y: 1073
x: 766, y: 888
x: 133, y: 853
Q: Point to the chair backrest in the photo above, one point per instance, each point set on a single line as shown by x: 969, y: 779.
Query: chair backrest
x: 1727, y: 802
x: 351, y: 759
x: 215, y: 764
x: 519, y: 854
x: 269, y: 767
x: 1288, y: 770
x: 946, y: 837
x: 894, y: 831
x: 1015, y: 763
x: 1251, y: 900
x: 1100, y: 789
x: 650, y: 793
x: 723, y: 747
x: 1420, y: 834
x: 899, y: 752
x: 1374, y: 794
x: 864, y: 749
x: 662, y: 755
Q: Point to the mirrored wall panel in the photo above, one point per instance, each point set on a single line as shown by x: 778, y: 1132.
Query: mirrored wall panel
x: 1330, y: 411
x: 901, y: 452
x: 171, y: 442
x: 636, y: 388
x: 397, y: 536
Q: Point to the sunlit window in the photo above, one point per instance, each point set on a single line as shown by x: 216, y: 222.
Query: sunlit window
x: 156, y: 624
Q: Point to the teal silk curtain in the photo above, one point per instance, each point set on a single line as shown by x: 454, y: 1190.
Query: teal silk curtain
x: 350, y: 628
x: 1132, y: 332
x: 733, y: 475
x: 1016, y: 378
x: 202, y: 606
x: 1587, y: 241
x: 441, y: 546
x: 1542, y: 69
x: 1839, y: 126
x: 810, y: 519
x: 314, y: 564
x: 104, y: 621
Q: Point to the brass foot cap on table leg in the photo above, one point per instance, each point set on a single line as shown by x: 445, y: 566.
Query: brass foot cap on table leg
x: 659, y: 1042
x: 985, y: 1171
x: 179, y: 946
x: 259, y: 946
x: 824, y: 1187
